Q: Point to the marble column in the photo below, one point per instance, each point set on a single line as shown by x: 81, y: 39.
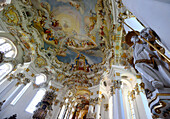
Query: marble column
x: 71, y: 113
x: 136, y: 109
x: 56, y: 109
x: 141, y: 102
x: 97, y: 108
x: 72, y: 110
x: 111, y: 103
x: 8, y: 88
x: 65, y: 112
x: 13, y: 95
x: 61, y: 114
x: 91, y: 107
x: 118, y: 109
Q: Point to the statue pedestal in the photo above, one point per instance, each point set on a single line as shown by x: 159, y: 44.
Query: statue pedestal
x: 160, y: 103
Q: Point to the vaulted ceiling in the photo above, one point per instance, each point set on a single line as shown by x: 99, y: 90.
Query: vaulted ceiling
x: 76, y: 40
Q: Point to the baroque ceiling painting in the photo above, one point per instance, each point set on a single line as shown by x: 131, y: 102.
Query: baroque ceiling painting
x: 72, y: 28
x: 70, y: 38
x: 77, y: 59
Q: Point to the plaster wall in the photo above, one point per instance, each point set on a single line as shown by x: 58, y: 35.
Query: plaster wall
x: 160, y: 12
x: 20, y: 106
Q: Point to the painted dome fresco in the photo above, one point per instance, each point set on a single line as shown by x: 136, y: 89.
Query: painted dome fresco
x: 70, y: 38
x: 72, y: 29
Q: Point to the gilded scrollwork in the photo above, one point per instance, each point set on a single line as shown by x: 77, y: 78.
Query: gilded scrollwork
x: 106, y: 106
x: 136, y: 88
x: 56, y: 102
x: 20, y: 77
x: 40, y: 62
x: 117, y: 84
x: 142, y: 86
x: 132, y: 95
x: 161, y: 104
x: 11, y: 15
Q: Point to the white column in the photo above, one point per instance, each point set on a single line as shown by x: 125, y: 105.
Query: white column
x: 122, y: 116
x: 56, y: 109
x: 80, y: 114
x: 91, y: 108
x: 144, y: 102
x: 62, y: 112
x: 66, y: 112
x: 136, y: 109
x: 126, y: 104
x: 118, y: 109
x: 58, y: 114
x: 111, y: 106
x: 116, y: 105
x: 71, y: 113
x: 12, y: 96
x: 4, y: 83
x: 7, y: 89
x: 97, y: 109
x: 141, y: 102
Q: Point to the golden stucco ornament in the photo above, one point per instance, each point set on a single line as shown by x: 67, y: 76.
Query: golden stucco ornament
x: 11, y: 16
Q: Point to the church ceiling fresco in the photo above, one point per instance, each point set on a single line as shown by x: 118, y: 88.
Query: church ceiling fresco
x: 73, y: 28
x: 74, y: 39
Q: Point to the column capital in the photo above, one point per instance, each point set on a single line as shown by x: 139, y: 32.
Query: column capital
x: 56, y: 102
x: 91, y: 101
x: 112, y: 90
x: 117, y: 84
x: 98, y: 100
x: 142, y: 86
x: 137, y: 89
x: 61, y: 104
x: 106, y: 106
x: 132, y: 95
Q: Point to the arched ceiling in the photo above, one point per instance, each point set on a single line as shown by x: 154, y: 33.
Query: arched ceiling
x: 74, y: 28
x: 76, y: 40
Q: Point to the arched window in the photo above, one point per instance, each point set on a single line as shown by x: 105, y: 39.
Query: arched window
x: 5, y: 69
x: 40, y: 79
x: 134, y: 23
x: 9, y: 50
x: 7, y: 47
x: 37, y: 98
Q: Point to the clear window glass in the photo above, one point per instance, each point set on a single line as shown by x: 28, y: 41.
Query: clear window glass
x: 9, y: 50
x: 20, y: 94
x: 2, y: 40
x: 10, y: 53
x: 5, y: 69
x: 37, y: 98
x: 5, y: 47
x: 40, y: 79
x: 133, y: 22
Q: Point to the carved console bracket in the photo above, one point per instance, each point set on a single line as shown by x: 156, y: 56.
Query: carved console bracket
x: 160, y: 103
